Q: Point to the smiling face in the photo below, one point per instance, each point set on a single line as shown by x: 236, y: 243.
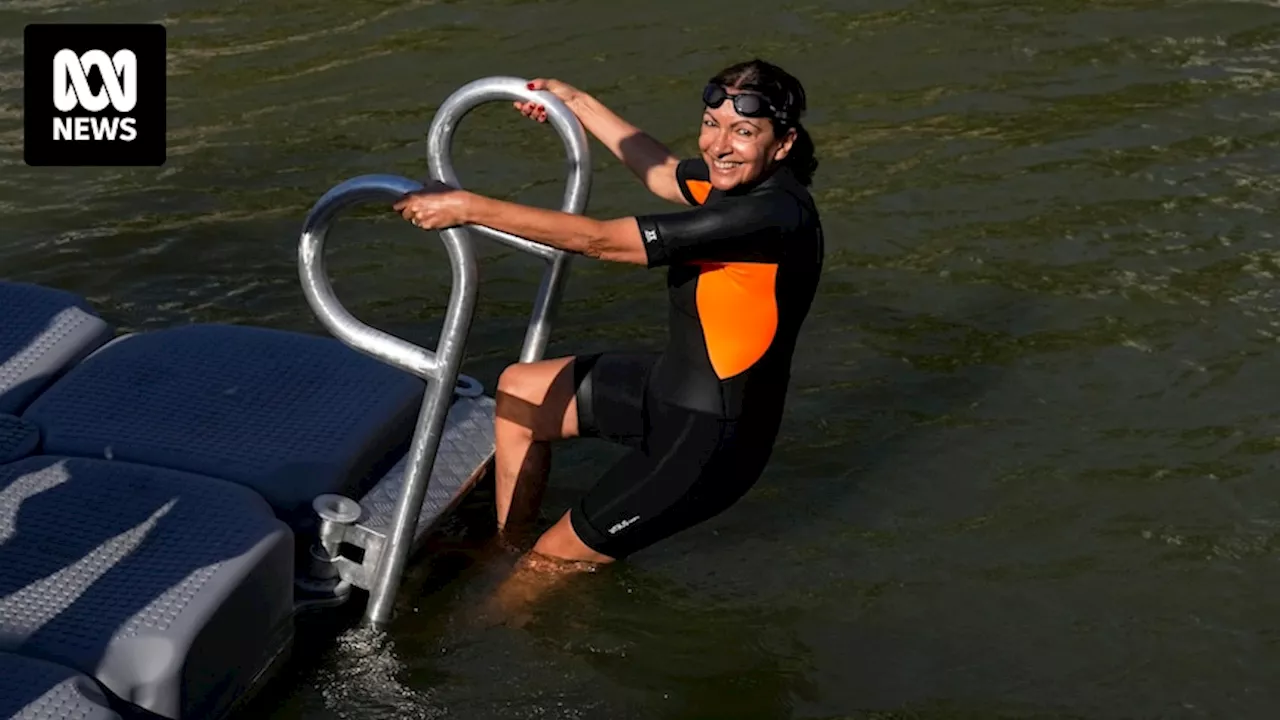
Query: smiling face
x: 737, y: 149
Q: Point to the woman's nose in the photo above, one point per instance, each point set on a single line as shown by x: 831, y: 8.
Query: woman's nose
x: 720, y: 143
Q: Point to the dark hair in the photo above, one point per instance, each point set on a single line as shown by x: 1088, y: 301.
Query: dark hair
x: 787, y: 94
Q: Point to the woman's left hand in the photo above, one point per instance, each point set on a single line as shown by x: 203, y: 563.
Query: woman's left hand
x: 435, y: 207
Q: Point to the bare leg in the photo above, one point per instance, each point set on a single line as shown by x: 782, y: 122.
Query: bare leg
x: 535, y: 404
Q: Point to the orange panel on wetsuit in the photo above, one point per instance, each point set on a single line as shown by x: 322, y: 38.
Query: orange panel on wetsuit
x: 739, y: 314
x: 743, y: 270
x: 698, y: 190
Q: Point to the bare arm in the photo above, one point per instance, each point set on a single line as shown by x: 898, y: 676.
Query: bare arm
x: 615, y: 240
x: 646, y: 157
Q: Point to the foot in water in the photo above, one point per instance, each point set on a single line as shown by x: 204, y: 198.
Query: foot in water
x: 534, y: 575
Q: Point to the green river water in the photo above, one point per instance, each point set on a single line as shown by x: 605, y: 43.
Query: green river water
x: 1029, y: 464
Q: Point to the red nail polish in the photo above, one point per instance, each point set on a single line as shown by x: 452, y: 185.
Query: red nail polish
x: 530, y: 86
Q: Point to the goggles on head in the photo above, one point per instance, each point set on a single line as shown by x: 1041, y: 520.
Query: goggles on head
x: 747, y: 104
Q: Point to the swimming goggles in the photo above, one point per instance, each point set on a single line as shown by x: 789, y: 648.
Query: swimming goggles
x: 748, y: 104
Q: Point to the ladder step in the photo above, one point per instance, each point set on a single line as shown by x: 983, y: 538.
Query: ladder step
x: 466, y: 449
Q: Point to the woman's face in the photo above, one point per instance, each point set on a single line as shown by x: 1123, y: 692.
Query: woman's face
x: 739, y: 149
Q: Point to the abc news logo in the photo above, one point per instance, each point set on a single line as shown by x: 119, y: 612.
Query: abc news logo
x: 71, y: 90
x: 94, y: 95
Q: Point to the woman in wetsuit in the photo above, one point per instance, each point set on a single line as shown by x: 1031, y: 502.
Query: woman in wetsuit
x: 742, y: 268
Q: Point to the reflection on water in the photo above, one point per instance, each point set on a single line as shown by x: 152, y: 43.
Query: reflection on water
x: 1027, y: 466
x: 361, y: 680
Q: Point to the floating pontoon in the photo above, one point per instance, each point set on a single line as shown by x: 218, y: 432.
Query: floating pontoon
x: 170, y: 499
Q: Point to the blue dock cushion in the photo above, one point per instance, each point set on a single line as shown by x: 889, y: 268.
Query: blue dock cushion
x: 43, y: 332
x: 18, y: 438
x: 38, y: 690
x: 287, y: 414
x: 174, y: 591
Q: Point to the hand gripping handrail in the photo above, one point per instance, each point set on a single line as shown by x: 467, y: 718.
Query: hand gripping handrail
x: 576, y: 192
x: 324, y: 302
x: 443, y: 365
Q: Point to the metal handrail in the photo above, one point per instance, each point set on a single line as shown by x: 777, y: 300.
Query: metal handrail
x: 329, y: 310
x: 441, y: 366
x: 576, y: 193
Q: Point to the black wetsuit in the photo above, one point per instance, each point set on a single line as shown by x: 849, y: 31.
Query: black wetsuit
x: 702, y: 415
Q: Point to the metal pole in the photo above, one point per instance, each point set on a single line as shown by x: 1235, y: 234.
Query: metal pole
x: 426, y: 438
x: 440, y: 369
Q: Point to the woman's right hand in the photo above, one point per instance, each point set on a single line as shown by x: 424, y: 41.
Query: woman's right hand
x: 536, y: 111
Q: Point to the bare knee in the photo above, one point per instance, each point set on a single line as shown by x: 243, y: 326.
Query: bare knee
x: 521, y: 396
x: 538, y: 398
x: 515, y: 380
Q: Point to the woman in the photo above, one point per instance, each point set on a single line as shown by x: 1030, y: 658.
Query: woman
x: 701, y: 417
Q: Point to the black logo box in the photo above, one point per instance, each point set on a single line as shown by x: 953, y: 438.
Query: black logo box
x: 41, y: 42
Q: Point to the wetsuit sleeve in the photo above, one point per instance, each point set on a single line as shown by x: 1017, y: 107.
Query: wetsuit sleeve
x: 749, y: 228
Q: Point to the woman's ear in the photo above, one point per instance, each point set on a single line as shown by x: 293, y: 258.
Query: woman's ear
x: 785, y: 146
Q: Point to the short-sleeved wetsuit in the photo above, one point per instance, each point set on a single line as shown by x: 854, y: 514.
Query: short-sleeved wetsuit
x: 702, y: 415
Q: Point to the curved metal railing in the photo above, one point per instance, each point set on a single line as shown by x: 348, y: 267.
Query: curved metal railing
x: 341, y: 323
x: 441, y: 366
x: 576, y: 192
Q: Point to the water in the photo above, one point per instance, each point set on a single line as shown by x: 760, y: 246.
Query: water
x: 1028, y: 465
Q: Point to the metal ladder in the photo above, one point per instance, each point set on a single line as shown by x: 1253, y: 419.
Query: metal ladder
x: 386, y: 555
